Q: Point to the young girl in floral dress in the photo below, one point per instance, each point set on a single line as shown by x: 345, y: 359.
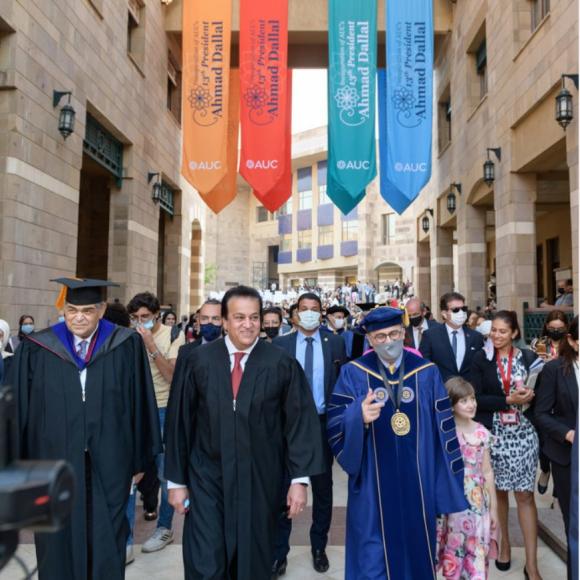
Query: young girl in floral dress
x: 467, y: 540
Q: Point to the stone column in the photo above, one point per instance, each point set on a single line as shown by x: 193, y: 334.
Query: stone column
x: 572, y: 156
x: 441, y: 265
x: 515, y: 219
x: 471, y: 248
x: 422, y: 280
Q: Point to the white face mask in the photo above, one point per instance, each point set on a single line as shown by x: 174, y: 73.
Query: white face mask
x: 459, y: 318
x: 484, y: 328
x: 338, y: 323
x: 309, y: 319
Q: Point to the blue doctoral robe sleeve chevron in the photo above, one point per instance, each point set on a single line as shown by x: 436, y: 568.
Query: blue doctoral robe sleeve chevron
x: 346, y: 430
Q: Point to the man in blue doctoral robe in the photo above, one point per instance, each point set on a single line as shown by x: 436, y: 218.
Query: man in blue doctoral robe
x: 400, y: 450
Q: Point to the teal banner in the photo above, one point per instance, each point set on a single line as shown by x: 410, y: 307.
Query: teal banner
x: 352, y: 57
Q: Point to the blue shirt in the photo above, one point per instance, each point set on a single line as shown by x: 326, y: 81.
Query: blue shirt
x: 318, y: 368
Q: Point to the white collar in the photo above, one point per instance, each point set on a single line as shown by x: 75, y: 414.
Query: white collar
x: 451, y: 330
x: 232, y: 348
x: 78, y: 339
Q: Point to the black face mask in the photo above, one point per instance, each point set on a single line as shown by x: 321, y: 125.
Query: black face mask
x: 555, y: 334
x: 416, y: 321
x: 272, y: 331
x: 561, y: 290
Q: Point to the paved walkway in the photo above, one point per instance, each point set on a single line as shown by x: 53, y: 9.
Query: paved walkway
x: 167, y: 563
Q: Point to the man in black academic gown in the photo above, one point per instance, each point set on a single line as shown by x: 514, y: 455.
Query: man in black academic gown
x: 241, y: 414
x: 85, y: 394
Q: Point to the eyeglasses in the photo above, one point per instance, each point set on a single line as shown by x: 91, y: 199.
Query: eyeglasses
x: 383, y: 336
x: 459, y: 309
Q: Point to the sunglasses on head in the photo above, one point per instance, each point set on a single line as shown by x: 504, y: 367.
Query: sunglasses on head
x: 459, y: 309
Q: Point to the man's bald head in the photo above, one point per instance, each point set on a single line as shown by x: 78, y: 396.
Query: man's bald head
x: 414, y: 307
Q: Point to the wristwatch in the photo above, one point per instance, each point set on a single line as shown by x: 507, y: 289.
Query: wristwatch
x: 153, y: 355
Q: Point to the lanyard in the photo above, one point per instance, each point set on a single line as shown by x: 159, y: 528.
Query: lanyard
x: 505, y: 380
x: 396, y: 401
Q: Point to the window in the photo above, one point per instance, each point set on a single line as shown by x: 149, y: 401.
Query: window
x: 481, y: 67
x: 305, y: 240
x: 173, y: 89
x: 136, y: 33
x: 261, y: 214
x: 350, y: 231
x: 326, y: 236
x: 444, y: 119
x: 322, y: 179
x: 305, y: 188
x: 286, y: 209
x: 286, y: 243
x: 388, y: 229
x: 540, y: 9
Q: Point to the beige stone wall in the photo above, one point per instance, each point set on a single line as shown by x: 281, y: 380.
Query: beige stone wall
x: 81, y: 46
x: 517, y: 114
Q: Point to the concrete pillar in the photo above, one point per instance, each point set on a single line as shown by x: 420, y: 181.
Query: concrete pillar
x: 515, y: 222
x: 441, y: 265
x: 471, y: 246
x: 422, y: 279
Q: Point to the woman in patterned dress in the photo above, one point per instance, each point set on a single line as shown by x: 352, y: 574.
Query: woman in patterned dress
x: 502, y: 397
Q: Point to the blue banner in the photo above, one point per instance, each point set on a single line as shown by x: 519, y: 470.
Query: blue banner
x: 352, y: 55
x: 406, y: 103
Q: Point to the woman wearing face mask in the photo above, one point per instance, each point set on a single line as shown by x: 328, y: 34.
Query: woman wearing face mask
x: 556, y: 414
x: 25, y: 327
x: 271, y: 323
x: 502, y: 398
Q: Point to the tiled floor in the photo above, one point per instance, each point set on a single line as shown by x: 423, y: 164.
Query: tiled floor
x: 167, y: 563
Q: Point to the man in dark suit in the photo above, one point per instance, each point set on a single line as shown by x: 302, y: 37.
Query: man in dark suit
x: 451, y: 345
x: 320, y: 354
x: 418, y: 324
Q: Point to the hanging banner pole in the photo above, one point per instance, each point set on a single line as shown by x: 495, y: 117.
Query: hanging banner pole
x: 406, y: 105
x: 263, y: 80
x: 205, y: 91
x: 352, y: 56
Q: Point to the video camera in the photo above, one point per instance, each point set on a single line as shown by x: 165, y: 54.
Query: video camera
x: 37, y: 495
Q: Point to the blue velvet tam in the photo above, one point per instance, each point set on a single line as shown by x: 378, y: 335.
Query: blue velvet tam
x: 382, y: 317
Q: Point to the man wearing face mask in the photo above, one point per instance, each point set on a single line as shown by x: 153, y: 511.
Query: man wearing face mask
x: 320, y: 354
x: 144, y: 312
x: 418, y: 324
x: 271, y: 322
x: 336, y: 320
x: 452, y: 345
x: 391, y: 429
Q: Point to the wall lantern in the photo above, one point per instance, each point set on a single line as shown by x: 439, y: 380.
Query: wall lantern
x: 489, y: 166
x: 66, y: 118
x: 425, y: 224
x: 156, y: 191
x: 451, y: 198
x: 565, y: 103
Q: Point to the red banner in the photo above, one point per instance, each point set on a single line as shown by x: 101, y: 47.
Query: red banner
x: 225, y: 191
x: 263, y: 83
x: 282, y: 191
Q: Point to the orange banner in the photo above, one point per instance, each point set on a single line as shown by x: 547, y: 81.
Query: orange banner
x: 205, y: 80
x: 263, y: 80
x: 225, y: 191
x: 281, y: 192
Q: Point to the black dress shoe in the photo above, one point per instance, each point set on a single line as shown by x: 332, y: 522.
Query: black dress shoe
x: 279, y: 568
x: 150, y: 516
x: 503, y: 566
x: 320, y: 561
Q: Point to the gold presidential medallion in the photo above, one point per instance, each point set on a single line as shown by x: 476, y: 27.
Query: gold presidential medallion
x: 400, y: 424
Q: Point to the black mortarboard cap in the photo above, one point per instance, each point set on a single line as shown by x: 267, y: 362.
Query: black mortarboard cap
x: 80, y: 292
x: 338, y: 308
x: 366, y: 306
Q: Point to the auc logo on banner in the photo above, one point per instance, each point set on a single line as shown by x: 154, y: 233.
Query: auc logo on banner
x: 350, y: 164
x: 263, y: 96
x: 205, y: 165
x: 354, y: 83
x: 206, y: 98
x: 262, y: 164
x: 410, y: 95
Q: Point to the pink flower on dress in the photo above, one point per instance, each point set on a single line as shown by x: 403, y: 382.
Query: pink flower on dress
x: 450, y: 566
x: 469, y: 567
x: 454, y: 541
x: 467, y: 526
x: 476, y: 497
x: 470, y: 545
x: 469, y: 453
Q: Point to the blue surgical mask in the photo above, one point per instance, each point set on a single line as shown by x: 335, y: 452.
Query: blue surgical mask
x: 210, y: 332
x: 61, y: 318
x: 27, y: 328
x: 148, y: 325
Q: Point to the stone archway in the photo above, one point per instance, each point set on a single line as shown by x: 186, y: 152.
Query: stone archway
x: 196, y: 278
x: 388, y: 272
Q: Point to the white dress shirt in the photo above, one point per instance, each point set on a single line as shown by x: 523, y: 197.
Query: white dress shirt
x: 232, y: 350
x: 461, y: 347
x: 83, y: 373
x: 419, y: 329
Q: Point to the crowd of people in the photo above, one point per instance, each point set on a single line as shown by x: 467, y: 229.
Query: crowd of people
x: 231, y: 415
